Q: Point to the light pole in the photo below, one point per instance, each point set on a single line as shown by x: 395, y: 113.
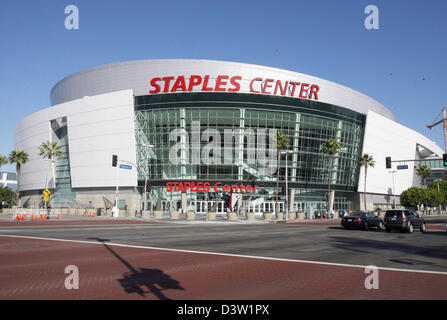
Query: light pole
x: 394, y: 190
x: 287, y: 185
x: 439, y: 207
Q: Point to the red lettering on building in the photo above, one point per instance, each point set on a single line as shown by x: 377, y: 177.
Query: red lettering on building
x: 233, y: 84
x: 220, y: 82
x: 194, y: 81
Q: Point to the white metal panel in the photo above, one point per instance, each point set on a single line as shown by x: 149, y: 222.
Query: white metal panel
x: 28, y: 136
x: 98, y: 126
x: 387, y: 138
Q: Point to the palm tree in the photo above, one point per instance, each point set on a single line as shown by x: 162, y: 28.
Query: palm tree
x: 331, y: 148
x: 423, y: 171
x: 49, y: 150
x: 367, y: 161
x: 18, y: 157
x: 3, y: 160
x: 282, y: 142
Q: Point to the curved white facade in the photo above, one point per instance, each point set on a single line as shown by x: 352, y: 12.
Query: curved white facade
x: 137, y: 75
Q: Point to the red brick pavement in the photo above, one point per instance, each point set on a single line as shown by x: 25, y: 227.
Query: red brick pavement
x: 34, y: 269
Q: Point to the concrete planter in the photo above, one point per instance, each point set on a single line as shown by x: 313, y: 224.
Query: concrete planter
x: 211, y: 215
x: 158, y: 214
x: 122, y: 213
x: 279, y: 216
x: 291, y: 216
x: 300, y: 215
x: 145, y: 214
x: 190, y: 215
x: 267, y: 216
x: 232, y: 216
x: 250, y: 216
x: 173, y: 214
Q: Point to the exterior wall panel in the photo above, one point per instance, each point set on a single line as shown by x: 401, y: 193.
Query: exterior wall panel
x: 383, y: 138
x: 98, y: 127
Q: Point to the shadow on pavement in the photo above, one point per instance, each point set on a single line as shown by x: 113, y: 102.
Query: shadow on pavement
x: 155, y: 280
x: 371, y: 229
x: 361, y: 245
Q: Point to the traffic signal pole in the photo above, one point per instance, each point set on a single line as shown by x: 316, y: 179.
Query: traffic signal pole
x: 117, y: 186
x: 388, y: 160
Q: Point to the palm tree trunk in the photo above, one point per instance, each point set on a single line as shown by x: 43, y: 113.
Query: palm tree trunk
x: 18, y: 185
x: 329, y: 182
x: 364, y: 191
x: 46, y: 182
x: 277, y: 182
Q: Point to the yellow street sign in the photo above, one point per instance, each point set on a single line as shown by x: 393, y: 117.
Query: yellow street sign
x: 46, y: 198
x: 46, y: 192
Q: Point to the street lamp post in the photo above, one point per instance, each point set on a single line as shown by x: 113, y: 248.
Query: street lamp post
x: 394, y: 190
x: 287, y: 185
x: 439, y: 207
x: 145, y: 176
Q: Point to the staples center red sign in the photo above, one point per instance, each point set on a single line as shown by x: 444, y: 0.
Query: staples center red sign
x: 224, y: 83
x: 207, y: 187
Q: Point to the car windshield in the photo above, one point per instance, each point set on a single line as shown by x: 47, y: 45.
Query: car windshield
x: 358, y: 214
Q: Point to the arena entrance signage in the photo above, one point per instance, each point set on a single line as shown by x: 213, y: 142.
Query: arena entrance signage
x: 207, y: 187
x: 225, y: 83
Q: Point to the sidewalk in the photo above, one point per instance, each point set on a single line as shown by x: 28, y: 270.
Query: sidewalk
x: 220, y: 219
x: 199, y: 219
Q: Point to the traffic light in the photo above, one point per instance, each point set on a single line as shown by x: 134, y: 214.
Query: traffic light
x: 388, y: 162
x: 148, y: 186
x: 114, y: 160
x: 444, y: 159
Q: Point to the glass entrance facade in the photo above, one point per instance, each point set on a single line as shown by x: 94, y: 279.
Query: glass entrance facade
x: 307, y: 125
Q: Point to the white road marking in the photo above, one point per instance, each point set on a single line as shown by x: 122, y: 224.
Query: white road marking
x: 229, y: 255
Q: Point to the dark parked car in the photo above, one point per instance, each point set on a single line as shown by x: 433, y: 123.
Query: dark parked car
x: 404, y: 219
x: 362, y: 220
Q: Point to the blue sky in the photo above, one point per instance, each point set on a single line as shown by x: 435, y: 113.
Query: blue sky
x: 402, y: 65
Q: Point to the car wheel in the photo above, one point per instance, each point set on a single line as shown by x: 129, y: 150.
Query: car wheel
x: 387, y: 229
x: 366, y: 226
x: 410, y: 228
x: 423, y: 227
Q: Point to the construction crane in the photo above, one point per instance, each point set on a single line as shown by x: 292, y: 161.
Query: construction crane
x: 444, y: 119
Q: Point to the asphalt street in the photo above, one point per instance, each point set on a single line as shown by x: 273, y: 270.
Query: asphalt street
x: 321, y: 243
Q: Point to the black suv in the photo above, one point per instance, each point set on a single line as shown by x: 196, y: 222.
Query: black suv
x: 404, y: 219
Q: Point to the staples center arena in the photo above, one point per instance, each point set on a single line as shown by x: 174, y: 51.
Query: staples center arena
x: 133, y: 109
